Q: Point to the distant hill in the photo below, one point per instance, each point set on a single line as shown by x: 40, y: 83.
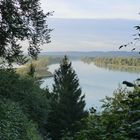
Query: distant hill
x: 93, y: 54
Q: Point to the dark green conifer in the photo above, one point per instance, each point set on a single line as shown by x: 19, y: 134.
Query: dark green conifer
x: 68, y: 102
x: 31, y: 72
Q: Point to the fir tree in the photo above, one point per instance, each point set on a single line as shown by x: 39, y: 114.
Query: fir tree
x: 68, y: 102
x: 31, y: 72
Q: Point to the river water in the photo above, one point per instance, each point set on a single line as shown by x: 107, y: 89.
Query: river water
x: 96, y: 83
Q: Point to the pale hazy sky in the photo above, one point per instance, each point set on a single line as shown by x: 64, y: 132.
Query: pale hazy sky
x: 62, y: 39
x: 127, y: 9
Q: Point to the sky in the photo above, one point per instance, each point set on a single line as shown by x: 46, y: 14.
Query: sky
x: 62, y: 36
x: 127, y: 9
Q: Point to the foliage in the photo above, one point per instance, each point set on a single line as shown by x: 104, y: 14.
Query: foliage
x: 31, y: 70
x: 22, y: 20
x: 132, y: 123
x: 127, y: 110
x: 134, y: 44
x: 40, y: 66
x: 26, y: 91
x: 14, y: 124
x: 67, y: 108
x: 119, y: 119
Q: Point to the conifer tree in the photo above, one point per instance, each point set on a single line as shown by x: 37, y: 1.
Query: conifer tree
x: 31, y: 72
x: 68, y: 102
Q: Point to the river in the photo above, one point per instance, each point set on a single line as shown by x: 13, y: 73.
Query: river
x: 96, y: 83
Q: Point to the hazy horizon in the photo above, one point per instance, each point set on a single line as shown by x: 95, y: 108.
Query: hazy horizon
x: 98, y: 18
x: 90, y: 34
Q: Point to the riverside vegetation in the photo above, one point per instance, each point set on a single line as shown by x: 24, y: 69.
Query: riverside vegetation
x: 40, y: 66
x: 112, y: 63
x: 130, y: 64
x: 28, y: 112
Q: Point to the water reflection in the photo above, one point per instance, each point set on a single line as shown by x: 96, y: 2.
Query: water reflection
x: 96, y: 82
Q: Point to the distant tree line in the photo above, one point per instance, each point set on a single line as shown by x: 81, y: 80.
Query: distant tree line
x: 119, y: 61
x: 131, y: 65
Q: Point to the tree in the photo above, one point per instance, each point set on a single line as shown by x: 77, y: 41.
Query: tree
x: 132, y: 121
x: 27, y: 93
x: 119, y: 119
x: 68, y: 102
x: 112, y: 123
x: 31, y: 70
x: 14, y: 124
x: 135, y: 40
x: 22, y: 20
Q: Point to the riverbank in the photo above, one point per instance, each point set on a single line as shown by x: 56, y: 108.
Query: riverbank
x: 129, y: 64
x: 40, y: 66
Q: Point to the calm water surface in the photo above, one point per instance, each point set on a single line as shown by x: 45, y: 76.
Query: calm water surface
x: 96, y: 83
